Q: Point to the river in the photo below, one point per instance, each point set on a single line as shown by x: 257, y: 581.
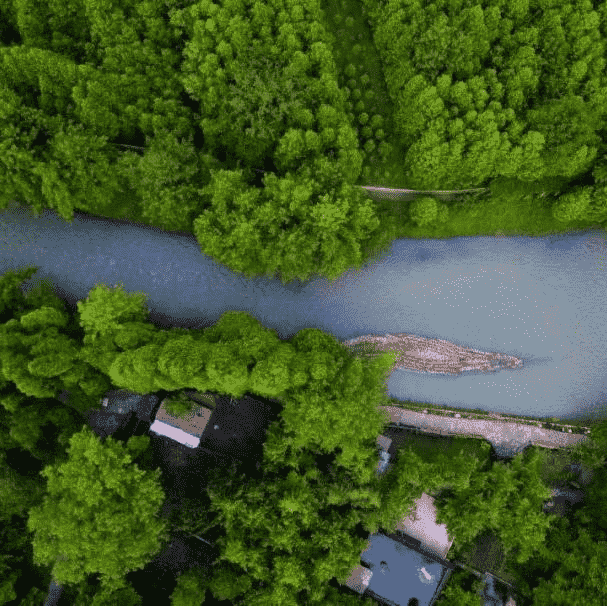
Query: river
x: 538, y: 298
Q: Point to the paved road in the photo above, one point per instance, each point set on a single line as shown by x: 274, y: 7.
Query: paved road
x: 507, y: 438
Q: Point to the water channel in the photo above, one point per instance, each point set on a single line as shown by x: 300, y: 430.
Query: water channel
x: 538, y: 298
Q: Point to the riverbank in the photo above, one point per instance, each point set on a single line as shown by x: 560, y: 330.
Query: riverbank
x: 552, y: 423
x: 442, y: 357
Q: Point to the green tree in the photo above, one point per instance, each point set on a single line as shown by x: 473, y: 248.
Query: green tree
x: 423, y: 211
x: 190, y: 589
x: 228, y: 582
x: 182, y: 360
x: 12, y: 300
x: 572, y: 206
x: 17, y: 494
x: 99, y: 515
x: 580, y: 576
x: 227, y: 369
x: 462, y: 589
x: 134, y: 334
x: 507, y: 500
x: 167, y: 183
x: 282, y: 531
x: 135, y: 369
x: 78, y: 173
x: 105, y: 309
x: 273, y: 375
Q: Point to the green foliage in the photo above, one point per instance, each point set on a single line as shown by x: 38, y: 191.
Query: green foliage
x: 582, y: 204
x: 18, y: 493
x: 44, y: 317
x: 228, y: 582
x: 179, y: 405
x: 525, y: 98
x: 137, y: 445
x: 227, y: 370
x: 190, y: 589
x: 462, y: 589
x: 105, y: 309
x: 7, y: 589
x: 131, y: 335
x: 166, y: 182
x: 423, y: 211
x: 124, y: 596
x: 99, y: 515
x: 579, y: 576
x: 507, y: 500
x: 591, y: 452
x: 572, y: 206
x: 289, y: 524
x: 135, y: 369
x: 79, y: 173
x: 182, y: 360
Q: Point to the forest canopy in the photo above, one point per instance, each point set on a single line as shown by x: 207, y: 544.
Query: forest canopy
x: 247, y: 124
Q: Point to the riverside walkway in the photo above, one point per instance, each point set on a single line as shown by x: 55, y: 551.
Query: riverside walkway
x: 507, y: 437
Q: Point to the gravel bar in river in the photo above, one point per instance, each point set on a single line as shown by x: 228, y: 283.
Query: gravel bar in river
x: 435, y: 355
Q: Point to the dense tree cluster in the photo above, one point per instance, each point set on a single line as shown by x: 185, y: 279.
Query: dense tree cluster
x: 493, y: 89
x: 99, y: 514
x: 164, y: 113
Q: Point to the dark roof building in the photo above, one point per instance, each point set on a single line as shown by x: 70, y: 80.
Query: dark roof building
x: 227, y: 428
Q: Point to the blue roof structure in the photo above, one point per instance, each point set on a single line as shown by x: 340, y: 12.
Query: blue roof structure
x: 404, y: 569
x: 402, y: 574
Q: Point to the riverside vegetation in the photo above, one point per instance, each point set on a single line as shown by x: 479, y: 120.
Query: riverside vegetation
x: 252, y: 126
x: 275, y: 524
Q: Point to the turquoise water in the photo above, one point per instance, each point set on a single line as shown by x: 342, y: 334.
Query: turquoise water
x: 541, y: 299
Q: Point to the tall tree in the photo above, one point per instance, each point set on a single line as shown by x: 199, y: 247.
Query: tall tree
x: 99, y: 515
x: 507, y: 500
x: 105, y: 309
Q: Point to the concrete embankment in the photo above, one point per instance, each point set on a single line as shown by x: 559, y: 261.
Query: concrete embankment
x: 506, y: 437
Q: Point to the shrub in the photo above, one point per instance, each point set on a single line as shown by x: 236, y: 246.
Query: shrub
x: 366, y: 132
x: 369, y: 146
x: 423, y: 211
x: 377, y: 121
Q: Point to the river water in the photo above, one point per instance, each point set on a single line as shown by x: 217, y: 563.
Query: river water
x: 541, y: 299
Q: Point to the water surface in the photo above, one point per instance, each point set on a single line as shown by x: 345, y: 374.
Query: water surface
x: 538, y: 298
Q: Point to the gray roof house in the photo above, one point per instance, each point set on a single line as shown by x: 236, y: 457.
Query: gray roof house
x: 189, y: 429
x: 407, y: 568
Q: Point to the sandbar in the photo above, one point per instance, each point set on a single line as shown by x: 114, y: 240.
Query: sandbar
x: 435, y: 355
